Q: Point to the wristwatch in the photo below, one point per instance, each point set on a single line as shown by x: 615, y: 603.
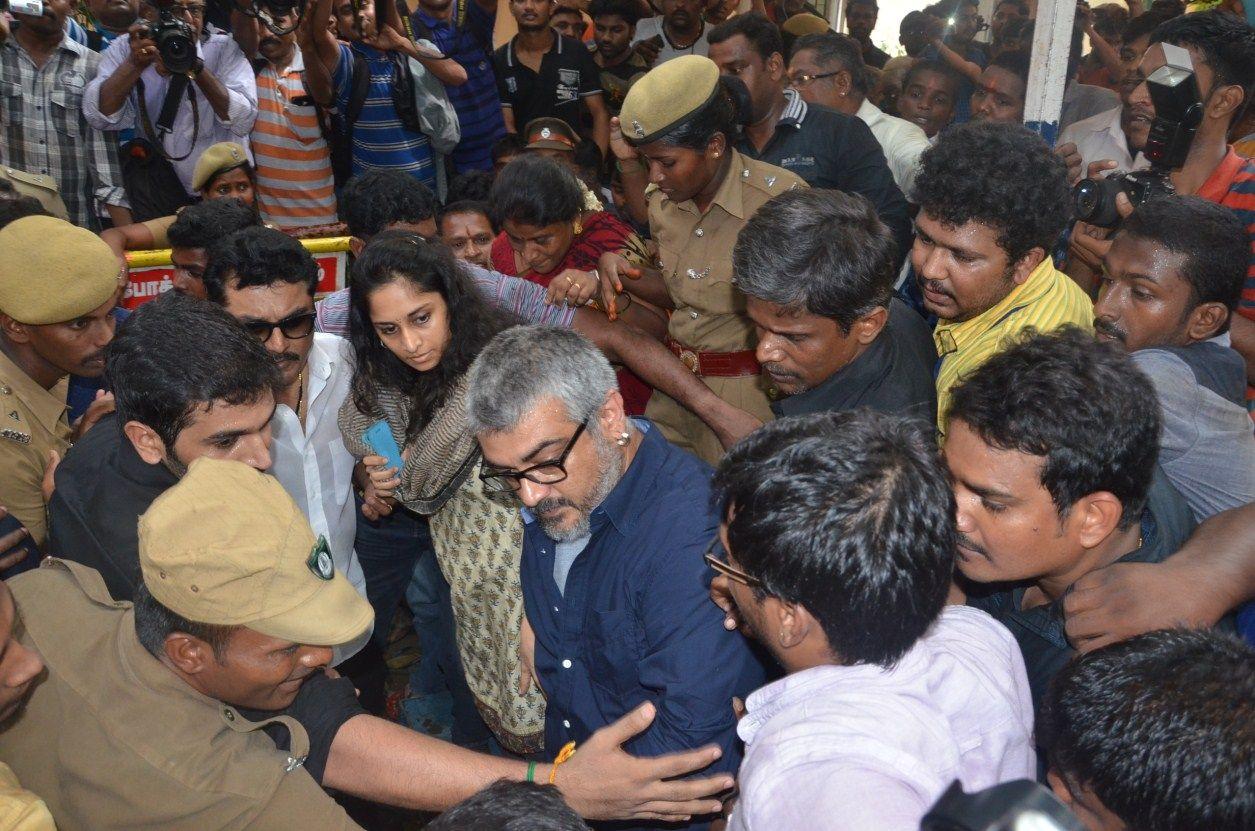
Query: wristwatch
x: 196, y: 67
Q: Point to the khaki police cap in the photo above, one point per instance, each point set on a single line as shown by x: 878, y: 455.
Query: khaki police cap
x: 41, y: 188
x: 805, y: 24
x: 52, y: 271
x: 550, y: 134
x: 219, y: 158
x: 227, y: 546
x: 668, y: 96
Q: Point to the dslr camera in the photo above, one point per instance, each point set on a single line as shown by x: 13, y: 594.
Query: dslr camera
x: 1178, y: 112
x: 176, y: 44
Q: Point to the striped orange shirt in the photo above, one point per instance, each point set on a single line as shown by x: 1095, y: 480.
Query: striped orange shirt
x: 295, y: 187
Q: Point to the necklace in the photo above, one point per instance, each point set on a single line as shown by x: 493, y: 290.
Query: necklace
x: 300, y: 392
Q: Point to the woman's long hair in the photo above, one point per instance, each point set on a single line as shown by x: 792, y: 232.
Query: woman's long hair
x: 473, y: 322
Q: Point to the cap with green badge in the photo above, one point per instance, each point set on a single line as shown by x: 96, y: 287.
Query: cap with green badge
x: 227, y: 546
x: 218, y: 159
x: 667, y: 97
x: 53, y: 272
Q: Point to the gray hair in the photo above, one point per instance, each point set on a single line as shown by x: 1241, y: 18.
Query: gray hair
x: 526, y: 364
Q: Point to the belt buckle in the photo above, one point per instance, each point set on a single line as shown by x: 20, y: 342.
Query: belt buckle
x: 689, y: 358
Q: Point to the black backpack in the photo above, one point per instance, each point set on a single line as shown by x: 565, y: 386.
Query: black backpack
x: 337, y: 127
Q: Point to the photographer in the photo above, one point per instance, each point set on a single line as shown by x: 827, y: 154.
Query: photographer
x: 1222, y: 51
x: 220, y: 103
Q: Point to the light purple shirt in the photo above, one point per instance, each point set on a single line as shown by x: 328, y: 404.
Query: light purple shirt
x: 522, y: 298
x: 850, y: 748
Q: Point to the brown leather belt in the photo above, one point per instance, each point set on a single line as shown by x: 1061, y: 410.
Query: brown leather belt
x: 716, y: 364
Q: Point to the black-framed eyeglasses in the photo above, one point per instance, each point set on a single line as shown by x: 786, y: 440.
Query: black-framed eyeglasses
x: 727, y: 569
x: 546, y: 473
x: 803, y: 80
x: 294, y: 327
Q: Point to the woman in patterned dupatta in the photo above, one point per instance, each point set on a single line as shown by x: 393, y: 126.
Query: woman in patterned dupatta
x: 416, y: 322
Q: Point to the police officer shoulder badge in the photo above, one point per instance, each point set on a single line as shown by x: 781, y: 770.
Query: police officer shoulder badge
x: 320, y: 562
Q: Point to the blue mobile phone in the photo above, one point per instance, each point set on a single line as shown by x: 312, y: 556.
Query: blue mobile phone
x: 378, y: 437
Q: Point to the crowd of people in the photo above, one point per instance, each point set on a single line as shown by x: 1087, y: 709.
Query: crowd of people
x: 757, y: 430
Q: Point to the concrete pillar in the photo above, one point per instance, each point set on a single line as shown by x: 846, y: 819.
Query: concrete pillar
x: 1052, y: 39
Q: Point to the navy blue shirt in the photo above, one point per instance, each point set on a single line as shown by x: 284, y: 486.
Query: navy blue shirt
x: 636, y: 622
x: 476, y: 102
x: 834, y: 150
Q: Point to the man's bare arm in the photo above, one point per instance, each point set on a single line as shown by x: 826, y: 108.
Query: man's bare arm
x: 654, y: 364
x: 387, y: 763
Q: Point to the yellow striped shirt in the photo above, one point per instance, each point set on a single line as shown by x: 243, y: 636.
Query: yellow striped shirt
x: 1047, y: 300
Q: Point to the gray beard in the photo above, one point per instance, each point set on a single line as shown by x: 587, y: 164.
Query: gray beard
x: 610, y: 471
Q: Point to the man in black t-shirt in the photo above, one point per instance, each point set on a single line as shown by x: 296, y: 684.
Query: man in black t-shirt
x: 817, y: 269
x: 543, y: 74
x: 614, y: 24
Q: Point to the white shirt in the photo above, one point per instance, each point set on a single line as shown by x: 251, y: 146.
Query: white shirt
x: 227, y: 63
x: 315, y: 467
x: 852, y: 748
x: 1101, y: 137
x: 651, y: 26
x: 902, y: 141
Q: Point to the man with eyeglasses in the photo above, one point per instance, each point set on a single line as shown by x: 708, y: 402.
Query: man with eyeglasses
x: 835, y: 554
x: 616, y: 519
x: 828, y: 70
x: 130, y: 88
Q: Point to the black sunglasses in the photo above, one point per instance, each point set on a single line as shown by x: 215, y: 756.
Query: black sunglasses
x: 295, y: 327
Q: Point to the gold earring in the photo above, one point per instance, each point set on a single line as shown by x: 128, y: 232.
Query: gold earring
x: 577, y: 227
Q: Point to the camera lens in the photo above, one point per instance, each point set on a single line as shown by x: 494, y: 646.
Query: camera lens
x: 1087, y: 196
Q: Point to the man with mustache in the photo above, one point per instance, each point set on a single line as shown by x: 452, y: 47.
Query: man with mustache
x: 1117, y: 135
x: 614, y: 25
x: 679, y: 30
x: 50, y: 328
x: 1052, y: 449
x: 616, y: 520
x: 239, y: 606
x: 993, y: 199
x: 295, y: 185
x: 817, y: 270
x: 266, y: 280
x: 1170, y: 284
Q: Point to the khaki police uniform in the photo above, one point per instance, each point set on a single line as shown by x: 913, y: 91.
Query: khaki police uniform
x: 33, y: 421
x: 708, y: 329
x: 112, y: 737
x: 50, y: 272
x: 41, y: 188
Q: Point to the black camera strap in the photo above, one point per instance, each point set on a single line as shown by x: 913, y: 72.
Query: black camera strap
x: 169, y: 109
